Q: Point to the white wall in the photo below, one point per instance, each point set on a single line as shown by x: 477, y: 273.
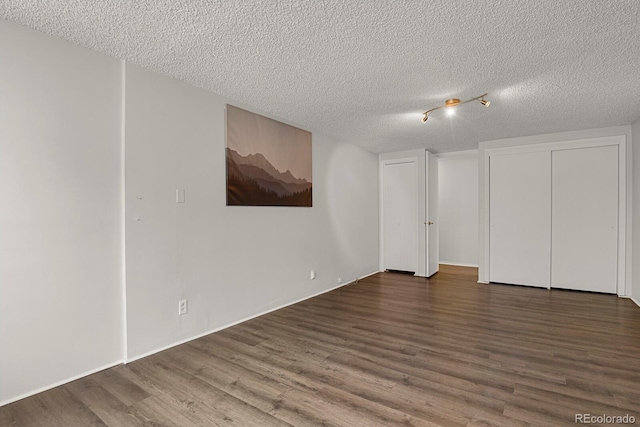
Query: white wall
x: 235, y: 262
x: 635, y: 134
x: 60, y: 221
x: 62, y: 274
x: 550, y: 138
x: 458, y: 208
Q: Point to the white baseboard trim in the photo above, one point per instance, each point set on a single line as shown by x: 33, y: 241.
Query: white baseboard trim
x: 59, y: 383
x: 125, y: 361
x: 483, y: 282
x: 457, y: 264
x: 635, y: 301
x: 220, y: 328
x: 367, y: 275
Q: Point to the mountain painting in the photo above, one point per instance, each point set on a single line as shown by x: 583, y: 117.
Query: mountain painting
x: 268, y: 162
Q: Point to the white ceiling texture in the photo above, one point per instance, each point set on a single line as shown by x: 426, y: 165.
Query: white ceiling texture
x: 365, y: 71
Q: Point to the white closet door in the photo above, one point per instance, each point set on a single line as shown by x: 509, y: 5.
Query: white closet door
x: 520, y: 218
x: 400, y: 216
x: 585, y: 219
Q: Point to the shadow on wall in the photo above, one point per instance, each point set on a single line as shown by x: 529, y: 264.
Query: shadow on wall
x: 353, y: 203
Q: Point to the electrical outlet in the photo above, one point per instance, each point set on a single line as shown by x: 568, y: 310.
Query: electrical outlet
x: 339, y: 280
x: 312, y: 275
x: 182, y: 307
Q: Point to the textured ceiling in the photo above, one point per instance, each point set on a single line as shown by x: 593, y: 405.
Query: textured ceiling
x: 364, y: 71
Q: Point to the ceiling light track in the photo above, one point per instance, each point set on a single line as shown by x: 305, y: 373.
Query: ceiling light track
x: 454, y: 102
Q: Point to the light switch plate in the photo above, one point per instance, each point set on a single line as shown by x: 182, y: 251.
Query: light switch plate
x: 182, y: 307
x: 180, y: 195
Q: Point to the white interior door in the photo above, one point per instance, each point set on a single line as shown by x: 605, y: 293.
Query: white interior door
x: 400, y: 216
x: 432, y: 224
x: 585, y: 219
x: 520, y: 218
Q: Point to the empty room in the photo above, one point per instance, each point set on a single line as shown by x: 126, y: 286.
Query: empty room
x: 241, y: 213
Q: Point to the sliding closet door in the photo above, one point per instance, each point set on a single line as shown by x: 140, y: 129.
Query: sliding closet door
x: 585, y: 219
x: 520, y: 218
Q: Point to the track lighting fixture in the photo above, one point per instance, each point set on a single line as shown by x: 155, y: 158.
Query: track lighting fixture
x: 453, y: 102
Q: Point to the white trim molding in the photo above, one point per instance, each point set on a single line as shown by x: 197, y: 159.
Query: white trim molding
x: 220, y: 328
x: 457, y: 264
x: 123, y: 211
x: 59, y: 383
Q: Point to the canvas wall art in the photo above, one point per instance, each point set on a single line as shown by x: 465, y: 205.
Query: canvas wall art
x: 268, y: 162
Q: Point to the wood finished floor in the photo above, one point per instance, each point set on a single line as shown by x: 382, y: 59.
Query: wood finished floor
x: 390, y: 350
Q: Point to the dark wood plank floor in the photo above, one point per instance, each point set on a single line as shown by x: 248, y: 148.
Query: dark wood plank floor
x: 390, y: 350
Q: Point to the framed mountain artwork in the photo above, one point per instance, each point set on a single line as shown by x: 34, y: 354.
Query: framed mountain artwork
x: 268, y: 162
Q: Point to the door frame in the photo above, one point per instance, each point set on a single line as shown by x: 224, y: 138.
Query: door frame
x: 431, y: 232
x: 418, y: 156
x: 620, y: 141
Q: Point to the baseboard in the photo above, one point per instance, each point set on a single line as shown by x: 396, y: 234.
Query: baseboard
x: 635, y: 301
x: 59, y: 383
x: 220, y: 328
x: 457, y: 264
x: 483, y: 282
x: 367, y: 275
x: 125, y: 361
